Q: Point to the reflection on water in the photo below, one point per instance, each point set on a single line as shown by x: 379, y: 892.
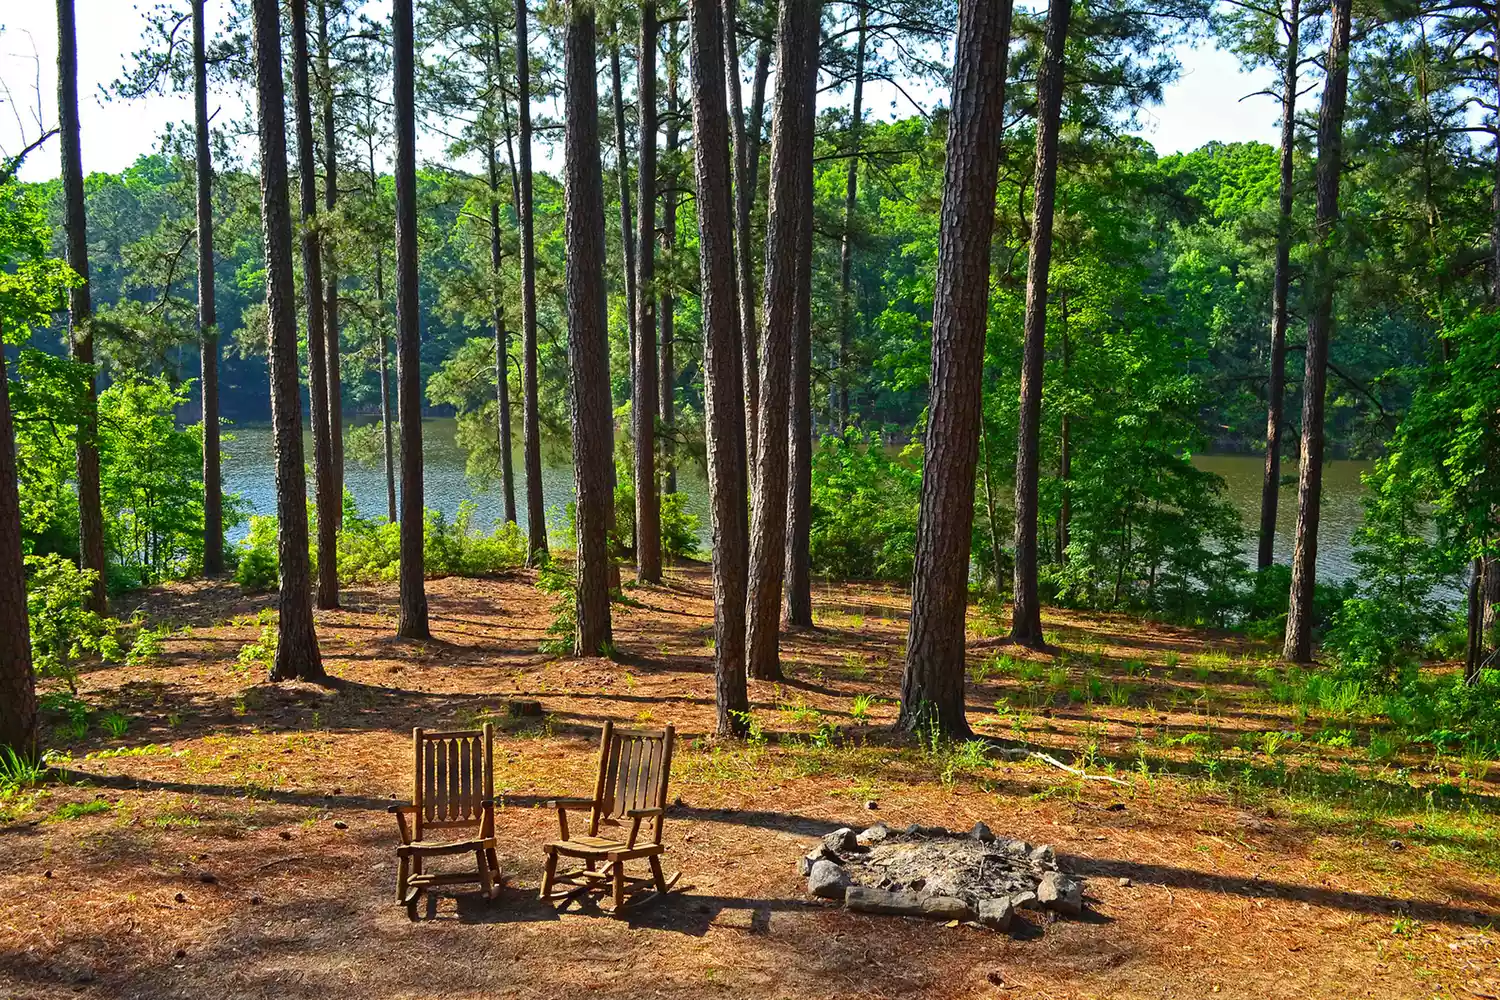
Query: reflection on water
x: 1343, y: 508
x: 249, y: 471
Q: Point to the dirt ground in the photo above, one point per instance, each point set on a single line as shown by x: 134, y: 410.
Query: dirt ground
x: 231, y: 840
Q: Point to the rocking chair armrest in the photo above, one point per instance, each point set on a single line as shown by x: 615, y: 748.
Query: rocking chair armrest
x: 400, y: 809
x: 574, y: 803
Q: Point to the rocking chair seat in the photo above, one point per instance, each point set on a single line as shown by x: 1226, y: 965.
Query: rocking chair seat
x: 437, y: 848
x: 601, y: 847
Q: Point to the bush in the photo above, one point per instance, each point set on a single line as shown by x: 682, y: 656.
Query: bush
x: 257, y: 565
x: 864, y: 510
x: 370, y: 550
x: 679, y: 529
x: 63, y: 630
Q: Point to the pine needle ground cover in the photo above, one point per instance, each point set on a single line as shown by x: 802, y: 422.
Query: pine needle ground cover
x: 219, y: 835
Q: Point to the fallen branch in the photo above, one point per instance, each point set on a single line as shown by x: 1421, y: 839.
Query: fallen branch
x: 1048, y: 758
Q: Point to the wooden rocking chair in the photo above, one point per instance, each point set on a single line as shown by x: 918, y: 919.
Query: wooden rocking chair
x: 634, y: 766
x: 453, y: 797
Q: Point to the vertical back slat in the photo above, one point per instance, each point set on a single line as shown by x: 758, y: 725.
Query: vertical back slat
x: 465, y: 777
x: 601, y: 784
x: 440, y: 798
x: 418, y: 791
x: 453, y: 780
x: 664, y: 772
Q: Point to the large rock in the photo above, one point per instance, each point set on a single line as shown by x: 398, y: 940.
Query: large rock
x: 996, y: 914
x: 842, y: 839
x: 1025, y: 901
x: 875, y: 834
x: 864, y: 899
x: 1061, y: 894
x: 946, y: 908
x: 812, y: 857
x: 1044, y: 855
x: 982, y: 833
x: 827, y: 880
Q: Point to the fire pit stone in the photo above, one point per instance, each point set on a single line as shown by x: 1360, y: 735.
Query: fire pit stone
x: 939, y: 874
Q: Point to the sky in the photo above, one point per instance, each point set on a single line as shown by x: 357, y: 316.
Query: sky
x: 1207, y: 102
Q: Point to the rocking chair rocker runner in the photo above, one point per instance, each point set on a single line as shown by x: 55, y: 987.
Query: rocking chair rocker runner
x: 453, y: 795
x: 634, y: 765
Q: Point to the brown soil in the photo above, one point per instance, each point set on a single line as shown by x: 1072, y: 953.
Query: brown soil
x: 240, y: 846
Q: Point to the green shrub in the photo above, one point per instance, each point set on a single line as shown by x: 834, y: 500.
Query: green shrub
x: 258, y: 564
x: 679, y: 528
x: 864, y: 510
x: 557, y: 579
x: 63, y: 630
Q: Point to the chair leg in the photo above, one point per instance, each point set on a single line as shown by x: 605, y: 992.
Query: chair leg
x: 619, y: 874
x: 481, y: 856
x: 403, y: 867
x: 549, y: 874
x: 494, y: 863
x: 661, y: 880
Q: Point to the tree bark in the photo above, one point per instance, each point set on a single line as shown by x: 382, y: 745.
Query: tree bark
x: 327, y: 501
x: 744, y: 245
x: 531, y: 431
x: 1065, y: 449
x: 588, y: 331
x: 412, y: 623
x: 17, y: 682
x: 1299, y: 623
x: 757, y: 125
x: 723, y: 393
x: 387, y: 420
x: 502, y: 343
x: 645, y: 403
x: 80, y: 308
x: 208, y: 328
x: 667, y: 310
x: 840, y: 401
x: 932, y: 684
x: 797, y: 612
x: 297, y: 653
x: 1270, y: 490
x: 1026, y: 621
x: 791, y: 160
x: 622, y: 171
x: 331, y: 339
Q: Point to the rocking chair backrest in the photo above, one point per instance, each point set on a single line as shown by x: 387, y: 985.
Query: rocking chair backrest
x: 454, y: 776
x: 634, y: 765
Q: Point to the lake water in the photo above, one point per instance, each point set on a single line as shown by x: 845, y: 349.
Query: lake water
x: 248, y: 470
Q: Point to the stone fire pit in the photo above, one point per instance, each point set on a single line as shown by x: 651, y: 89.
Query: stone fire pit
x: 939, y: 874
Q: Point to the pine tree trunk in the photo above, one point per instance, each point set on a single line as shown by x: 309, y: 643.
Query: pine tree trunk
x: 531, y: 431
x: 840, y: 401
x: 744, y: 245
x: 328, y: 502
x: 667, y: 310
x: 1299, y: 623
x: 331, y: 339
x: 646, y: 401
x: 797, y: 612
x: 791, y: 160
x: 723, y: 392
x: 622, y: 172
x: 208, y: 330
x: 17, y: 682
x: 80, y: 308
x: 412, y: 623
x: 932, y: 684
x: 757, y: 126
x: 297, y: 653
x: 502, y: 345
x: 1065, y: 449
x: 1270, y: 490
x: 588, y: 332
x: 1026, y: 621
